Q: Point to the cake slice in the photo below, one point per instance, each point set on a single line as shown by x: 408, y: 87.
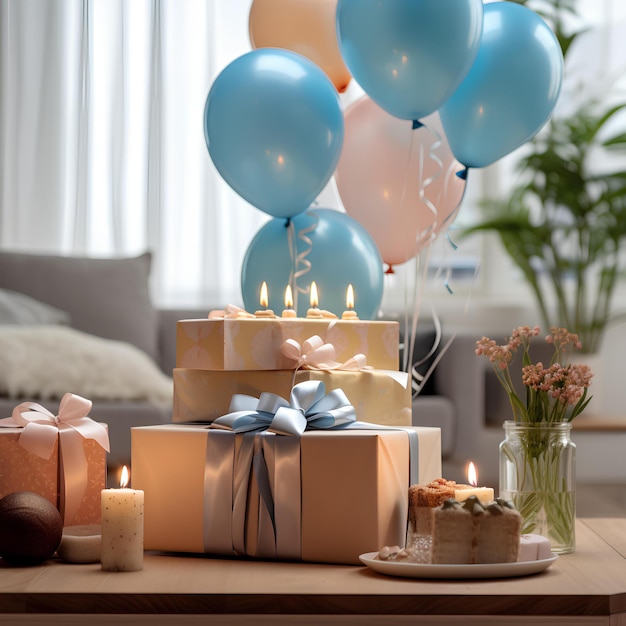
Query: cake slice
x: 453, y: 533
x: 475, y: 533
x: 498, y: 533
x: 423, y: 499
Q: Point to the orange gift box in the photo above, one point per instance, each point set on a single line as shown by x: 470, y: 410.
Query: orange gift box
x: 255, y: 344
x: 347, y: 495
x: 379, y: 397
x: 66, y: 464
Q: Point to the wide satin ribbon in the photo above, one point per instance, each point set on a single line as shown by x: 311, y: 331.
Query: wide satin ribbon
x: 314, y: 353
x: 40, y: 431
x: 275, y: 461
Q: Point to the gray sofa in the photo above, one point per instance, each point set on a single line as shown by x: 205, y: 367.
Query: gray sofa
x: 110, y: 299
x: 104, y: 298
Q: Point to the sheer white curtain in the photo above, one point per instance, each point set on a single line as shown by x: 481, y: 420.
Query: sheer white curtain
x: 102, y: 146
x: 103, y: 150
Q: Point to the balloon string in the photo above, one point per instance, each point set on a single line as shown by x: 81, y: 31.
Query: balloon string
x: 416, y: 376
x: 429, y: 232
x: 425, y: 237
x: 299, y: 262
x: 405, y: 354
x: 418, y: 380
x: 418, y: 295
x: 449, y: 175
x: 291, y: 243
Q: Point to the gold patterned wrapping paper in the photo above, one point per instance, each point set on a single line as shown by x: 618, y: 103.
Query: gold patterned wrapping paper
x: 379, y: 397
x: 255, y: 344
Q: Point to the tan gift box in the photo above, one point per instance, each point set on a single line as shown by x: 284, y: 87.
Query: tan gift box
x: 353, y: 489
x: 62, y: 458
x: 379, y: 397
x: 255, y: 344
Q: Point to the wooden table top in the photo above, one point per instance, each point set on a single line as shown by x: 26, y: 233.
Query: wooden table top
x: 589, y: 584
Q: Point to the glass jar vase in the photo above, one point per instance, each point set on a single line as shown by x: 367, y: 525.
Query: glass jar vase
x: 538, y: 474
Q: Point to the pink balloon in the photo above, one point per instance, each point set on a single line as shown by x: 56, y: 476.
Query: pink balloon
x: 399, y: 183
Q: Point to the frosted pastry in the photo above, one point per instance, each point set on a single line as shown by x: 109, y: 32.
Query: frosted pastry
x: 475, y: 533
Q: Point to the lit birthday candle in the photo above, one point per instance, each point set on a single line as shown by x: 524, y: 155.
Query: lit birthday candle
x: 314, y: 311
x: 288, y: 310
x: 122, y: 528
x: 484, y: 494
x: 264, y: 300
x: 350, y: 313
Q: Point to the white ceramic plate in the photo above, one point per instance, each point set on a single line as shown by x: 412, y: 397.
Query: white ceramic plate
x: 427, y: 570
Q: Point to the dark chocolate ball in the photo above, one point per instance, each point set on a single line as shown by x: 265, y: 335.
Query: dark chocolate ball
x: 30, y: 528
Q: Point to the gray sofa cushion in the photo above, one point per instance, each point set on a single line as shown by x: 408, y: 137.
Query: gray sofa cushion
x: 105, y: 297
x: 19, y: 309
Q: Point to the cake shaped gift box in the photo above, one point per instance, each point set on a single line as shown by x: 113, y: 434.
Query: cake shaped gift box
x: 244, y: 343
x: 222, y: 356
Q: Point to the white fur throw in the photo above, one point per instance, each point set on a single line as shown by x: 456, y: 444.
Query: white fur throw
x: 45, y: 362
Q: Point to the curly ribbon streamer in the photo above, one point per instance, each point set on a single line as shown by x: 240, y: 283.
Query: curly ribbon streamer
x: 300, y: 259
x: 418, y: 380
x: 268, y: 448
x: 40, y: 431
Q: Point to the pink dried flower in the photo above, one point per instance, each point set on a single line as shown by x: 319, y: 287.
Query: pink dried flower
x: 563, y: 339
x: 500, y: 356
x: 557, y: 392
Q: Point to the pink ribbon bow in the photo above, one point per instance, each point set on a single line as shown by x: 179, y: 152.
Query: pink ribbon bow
x: 231, y: 311
x: 317, y: 355
x: 41, y: 427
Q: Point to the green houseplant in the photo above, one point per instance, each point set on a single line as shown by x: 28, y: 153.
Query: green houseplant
x: 565, y: 220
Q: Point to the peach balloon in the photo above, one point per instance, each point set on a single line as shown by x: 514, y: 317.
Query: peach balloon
x: 399, y: 183
x: 303, y: 26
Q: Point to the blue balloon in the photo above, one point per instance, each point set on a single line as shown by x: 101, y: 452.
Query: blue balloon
x: 511, y: 90
x: 340, y: 252
x: 409, y: 55
x: 273, y: 125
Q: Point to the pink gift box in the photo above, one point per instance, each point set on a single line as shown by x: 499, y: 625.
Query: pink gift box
x: 62, y: 458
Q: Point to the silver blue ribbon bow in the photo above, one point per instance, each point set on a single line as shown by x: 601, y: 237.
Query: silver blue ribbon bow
x: 309, y: 407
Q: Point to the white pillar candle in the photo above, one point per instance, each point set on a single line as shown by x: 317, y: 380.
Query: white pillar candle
x: 122, y: 529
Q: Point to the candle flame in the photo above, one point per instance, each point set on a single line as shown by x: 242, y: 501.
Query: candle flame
x: 124, y: 477
x: 472, y: 474
x: 264, y: 298
x: 314, y: 297
x: 350, y: 297
x: 288, y: 297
